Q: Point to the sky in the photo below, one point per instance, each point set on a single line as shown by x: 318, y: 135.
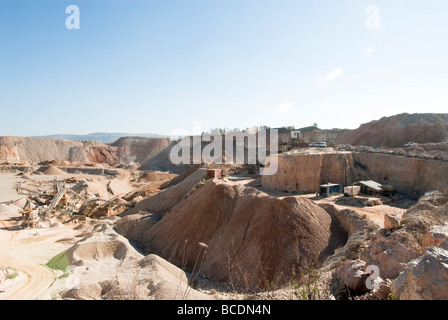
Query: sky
x: 158, y: 66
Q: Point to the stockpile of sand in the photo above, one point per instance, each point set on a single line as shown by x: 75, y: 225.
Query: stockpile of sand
x: 106, y: 266
x: 51, y: 171
x: 244, y: 236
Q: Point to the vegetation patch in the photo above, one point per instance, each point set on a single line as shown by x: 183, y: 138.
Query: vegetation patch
x: 59, y: 262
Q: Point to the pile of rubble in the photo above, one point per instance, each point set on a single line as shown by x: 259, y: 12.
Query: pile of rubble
x: 64, y: 200
x: 407, y: 258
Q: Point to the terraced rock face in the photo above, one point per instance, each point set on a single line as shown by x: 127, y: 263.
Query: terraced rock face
x: 252, y: 239
x: 305, y: 172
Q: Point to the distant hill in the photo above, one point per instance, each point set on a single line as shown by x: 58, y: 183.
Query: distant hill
x: 100, y: 136
x: 397, y: 130
x: 127, y: 150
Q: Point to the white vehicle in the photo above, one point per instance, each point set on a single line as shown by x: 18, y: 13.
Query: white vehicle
x: 410, y: 144
x: 319, y: 144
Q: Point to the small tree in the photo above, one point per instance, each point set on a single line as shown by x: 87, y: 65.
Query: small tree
x: 307, y: 285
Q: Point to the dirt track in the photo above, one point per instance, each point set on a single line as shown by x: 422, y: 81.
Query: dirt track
x: 27, y: 252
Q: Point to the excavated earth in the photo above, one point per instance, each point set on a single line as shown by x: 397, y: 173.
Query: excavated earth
x: 251, y: 239
x: 397, y: 130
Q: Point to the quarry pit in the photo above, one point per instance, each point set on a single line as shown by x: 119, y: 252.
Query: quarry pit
x: 244, y: 231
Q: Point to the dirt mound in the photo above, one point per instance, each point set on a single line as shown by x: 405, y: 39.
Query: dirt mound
x: 102, y: 246
x: 51, y: 171
x: 104, y: 265
x: 397, y: 130
x: 139, y: 149
x: 244, y: 236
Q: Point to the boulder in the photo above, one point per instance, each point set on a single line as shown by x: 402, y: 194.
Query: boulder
x: 391, y: 222
x: 435, y: 236
x: 390, y: 255
x: 352, y: 274
x: 384, y: 290
x: 425, y: 278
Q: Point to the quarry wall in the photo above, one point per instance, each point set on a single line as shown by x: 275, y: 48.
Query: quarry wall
x: 305, y: 172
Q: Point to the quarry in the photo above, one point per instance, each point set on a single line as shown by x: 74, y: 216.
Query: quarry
x: 364, y: 218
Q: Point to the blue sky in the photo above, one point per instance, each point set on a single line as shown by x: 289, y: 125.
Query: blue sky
x: 156, y: 66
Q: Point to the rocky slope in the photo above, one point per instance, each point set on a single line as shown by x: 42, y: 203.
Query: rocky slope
x: 397, y: 130
x: 410, y: 257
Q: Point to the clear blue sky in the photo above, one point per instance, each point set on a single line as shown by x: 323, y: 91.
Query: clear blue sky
x: 158, y: 65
